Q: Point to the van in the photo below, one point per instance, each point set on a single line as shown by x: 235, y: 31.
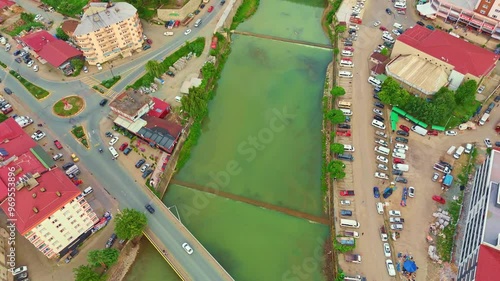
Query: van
x: 450, y: 150
x: 345, y: 74
x: 374, y: 81
x: 344, y: 104
x: 399, y: 155
x: 349, y: 223
x: 347, y: 112
x: 378, y: 124
x: 459, y: 152
x: 484, y: 118
x: 419, y: 130
x: 197, y: 23
x: 348, y: 147
x: 388, y: 38
x: 347, y: 53
x: 347, y: 63
x: 72, y: 170
x: 113, y: 152
x: 468, y: 148
x: 348, y: 157
x: 397, y: 25
x: 380, y: 208
x: 382, y: 150
x: 401, y: 167
x: 87, y: 191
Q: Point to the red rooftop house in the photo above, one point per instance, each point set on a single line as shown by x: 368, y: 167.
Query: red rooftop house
x: 48, y: 48
x: 50, y: 211
x: 161, y: 133
x: 462, y: 60
x: 160, y: 108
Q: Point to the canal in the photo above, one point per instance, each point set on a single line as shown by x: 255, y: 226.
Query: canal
x: 261, y: 141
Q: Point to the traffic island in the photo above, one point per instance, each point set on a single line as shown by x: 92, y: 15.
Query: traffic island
x: 79, y: 134
x: 37, y: 92
x: 68, y: 106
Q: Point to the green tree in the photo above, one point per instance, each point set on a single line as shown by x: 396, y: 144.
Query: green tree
x: 130, y: 223
x: 26, y: 17
x: 86, y: 273
x: 336, y: 169
x: 466, y: 93
x: 104, y: 257
x: 335, y: 116
x: 77, y: 65
x: 154, y: 68
x: 61, y: 34
x: 393, y: 94
x: 385, y: 52
x: 337, y: 91
x: 337, y: 148
x: 340, y: 29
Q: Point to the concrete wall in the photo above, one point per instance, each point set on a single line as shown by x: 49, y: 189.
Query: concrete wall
x: 227, y: 17
x: 180, y: 14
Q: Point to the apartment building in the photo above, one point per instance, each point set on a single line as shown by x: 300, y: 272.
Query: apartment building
x: 108, y: 30
x: 43, y: 203
x: 479, y: 254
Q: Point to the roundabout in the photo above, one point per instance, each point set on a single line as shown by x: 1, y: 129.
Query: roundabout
x: 68, y: 106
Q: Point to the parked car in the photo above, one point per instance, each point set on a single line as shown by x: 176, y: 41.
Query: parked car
x: 420, y: 23
x: 382, y: 159
x: 376, y: 192
x: 344, y: 126
x: 397, y: 172
x: 388, y: 11
x: 346, y: 213
x: 394, y: 213
x: 170, y: 73
x: 411, y: 191
x: 378, y: 111
x: 379, y: 118
x: 382, y: 176
x: 111, y: 241
x: 382, y: 167
x: 57, y: 156
x: 402, y: 133
x: 401, y: 139
x: 435, y: 177
x: 387, y: 250
x: 99, y: 66
x: 144, y: 167
x: 127, y: 150
x: 481, y: 89
x: 71, y: 256
x: 397, y: 226
x: 210, y: 9
x: 19, y: 270
x: 140, y: 162
x: 404, y: 128
x: 103, y: 102
x: 123, y: 146
x: 487, y: 142
x: 379, y: 104
x: 345, y: 202
x: 398, y: 161
x: 432, y: 132
x: 113, y: 141
x: 401, y: 179
x: 8, y: 91
x: 450, y: 133
x: 497, y: 98
x: 439, y: 199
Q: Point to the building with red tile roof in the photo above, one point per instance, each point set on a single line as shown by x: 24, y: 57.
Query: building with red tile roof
x: 458, y: 57
x: 50, y: 49
x: 49, y: 210
x: 488, y: 263
x: 160, y: 108
x: 4, y: 4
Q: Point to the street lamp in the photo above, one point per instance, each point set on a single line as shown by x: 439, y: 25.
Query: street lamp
x: 448, y: 121
x: 111, y: 68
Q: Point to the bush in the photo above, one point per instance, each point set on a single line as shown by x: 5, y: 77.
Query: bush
x: 245, y: 11
x: 77, y: 65
x: 37, y: 92
x: 3, y: 64
x: 110, y: 82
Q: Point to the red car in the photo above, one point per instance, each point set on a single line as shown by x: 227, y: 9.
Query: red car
x: 58, y: 144
x: 398, y: 161
x: 7, y: 110
x: 347, y: 193
x: 123, y: 146
x: 149, y: 41
x: 432, y: 133
x: 382, y: 28
x: 439, y: 199
x: 404, y: 128
x: 210, y: 9
x: 350, y: 49
x: 177, y: 23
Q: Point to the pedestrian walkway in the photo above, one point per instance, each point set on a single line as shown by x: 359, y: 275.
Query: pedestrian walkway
x: 90, y: 81
x: 111, y: 93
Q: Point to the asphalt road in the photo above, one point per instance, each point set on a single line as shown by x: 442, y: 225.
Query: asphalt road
x: 115, y: 179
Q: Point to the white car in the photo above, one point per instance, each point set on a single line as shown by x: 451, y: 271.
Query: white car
x: 390, y: 267
x: 394, y: 213
x: 381, y: 176
x: 401, y: 146
x: 382, y: 159
x: 187, y: 31
x: 381, y: 142
x: 435, y: 177
x: 38, y: 135
x: 31, y: 63
x: 85, y: 69
x: 57, y: 156
x: 387, y: 250
x: 378, y: 111
x: 382, y: 167
x: 144, y: 167
x: 386, y: 33
x: 345, y: 202
x: 396, y: 32
x: 19, y: 270
x: 376, y: 23
x: 399, y: 150
x: 35, y: 68
x: 481, y: 89
x: 38, y: 17
x: 395, y: 220
x: 380, y: 134
x: 99, y: 66
x: 113, y: 140
x: 487, y: 142
x: 397, y: 226
x: 187, y: 248
x: 450, y: 133
x: 411, y: 191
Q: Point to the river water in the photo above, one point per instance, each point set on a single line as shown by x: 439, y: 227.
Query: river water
x: 262, y: 141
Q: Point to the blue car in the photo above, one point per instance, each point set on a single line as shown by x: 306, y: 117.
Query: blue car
x: 376, y: 192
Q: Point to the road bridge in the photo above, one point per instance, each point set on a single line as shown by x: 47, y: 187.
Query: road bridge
x: 281, y: 39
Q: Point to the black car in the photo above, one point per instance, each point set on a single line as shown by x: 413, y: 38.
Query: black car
x: 397, y: 172
x: 68, y: 165
x: 103, y: 102
x: 146, y: 47
x: 202, y: 6
x: 18, y: 60
x: 147, y: 173
x: 376, y: 97
x: 17, y: 52
x: 497, y: 143
x: 379, y: 118
x: 420, y: 23
x: 352, y: 31
x: 197, y: 12
x: 497, y: 98
x: 402, y: 133
x: 344, y: 126
x: 379, y: 104
x: 111, y: 241
x: 222, y: 2
x: 109, y: 134
x: 21, y: 276
x: 446, y: 164
x: 401, y: 140
x: 170, y: 73
x: 150, y: 208
x: 388, y: 11
x: 127, y: 150
x: 139, y: 163
x: 401, y: 180
x: 71, y: 256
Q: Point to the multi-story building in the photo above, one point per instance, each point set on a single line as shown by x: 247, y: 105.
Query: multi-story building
x: 43, y: 203
x: 131, y: 105
x: 108, y: 30
x: 479, y: 255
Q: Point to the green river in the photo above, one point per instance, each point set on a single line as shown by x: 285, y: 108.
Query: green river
x: 262, y: 140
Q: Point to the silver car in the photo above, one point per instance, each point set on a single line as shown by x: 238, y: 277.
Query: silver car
x: 187, y: 248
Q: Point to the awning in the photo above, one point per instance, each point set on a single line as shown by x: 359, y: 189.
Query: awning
x: 489, y: 26
x: 464, y: 17
x: 426, y: 9
x: 133, y: 127
x: 476, y: 22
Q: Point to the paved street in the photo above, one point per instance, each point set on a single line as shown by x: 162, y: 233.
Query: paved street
x: 115, y: 180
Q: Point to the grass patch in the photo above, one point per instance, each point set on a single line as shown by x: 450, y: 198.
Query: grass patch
x: 245, y: 11
x: 446, y: 239
x: 79, y: 134
x: 110, y: 82
x: 25, y: 23
x: 76, y: 102
x: 37, y: 92
x: 67, y: 7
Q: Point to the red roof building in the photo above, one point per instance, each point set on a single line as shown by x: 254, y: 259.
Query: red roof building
x: 4, y: 4
x: 488, y: 263
x: 464, y: 57
x: 160, y: 108
x: 53, y: 50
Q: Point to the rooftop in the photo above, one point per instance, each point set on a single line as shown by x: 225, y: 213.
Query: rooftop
x: 464, y: 56
x: 379, y: 68
x: 51, y: 49
x: 379, y: 57
x: 162, y: 132
x: 100, y: 15
x: 159, y: 108
x: 13, y: 139
x: 6, y: 3
x: 69, y: 26
x: 39, y: 192
x: 487, y: 263
x: 171, y: 125
x: 418, y: 73
x: 492, y: 224
x: 130, y: 102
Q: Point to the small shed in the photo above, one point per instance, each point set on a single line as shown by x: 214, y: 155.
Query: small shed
x: 378, y: 58
x: 160, y: 108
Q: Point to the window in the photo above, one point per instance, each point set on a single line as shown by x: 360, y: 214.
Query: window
x: 487, y: 1
x: 482, y: 12
x: 495, y: 16
x: 59, y: 225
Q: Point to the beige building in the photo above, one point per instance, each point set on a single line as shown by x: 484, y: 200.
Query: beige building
x: 131, y: 105
x: 109, y: 30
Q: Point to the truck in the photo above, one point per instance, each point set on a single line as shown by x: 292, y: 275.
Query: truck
x: 353, y: 234
x: 483, y: 120
x: 441, y: 168
x: 419, y: 130
x: 401, y: 167
x: 187, y: 19
x: 352, y: 258
x: 383, y: 234
x: 345, y: 240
